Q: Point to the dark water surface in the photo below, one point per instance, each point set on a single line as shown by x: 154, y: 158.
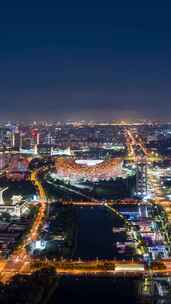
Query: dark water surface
x: 95, y: 236
x: 101, y: 290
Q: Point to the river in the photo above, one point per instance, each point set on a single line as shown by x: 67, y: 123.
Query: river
x: 95, y: 236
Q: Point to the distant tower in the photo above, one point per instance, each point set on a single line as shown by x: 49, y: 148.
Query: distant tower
x: 13, y: 139
x: 2, y: 161
x: 37, y: 138
x: 21, y: 140
x: 51, y: 150
x: 35, y: 149
x: 141, y: 178
x: 49, y: 139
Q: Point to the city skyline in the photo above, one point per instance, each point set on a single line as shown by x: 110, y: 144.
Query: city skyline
x: 85, y: 152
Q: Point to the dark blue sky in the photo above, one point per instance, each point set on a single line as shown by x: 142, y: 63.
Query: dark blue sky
x: 76, y: 62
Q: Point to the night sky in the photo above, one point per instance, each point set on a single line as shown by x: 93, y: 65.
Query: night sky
x: 84, y: 62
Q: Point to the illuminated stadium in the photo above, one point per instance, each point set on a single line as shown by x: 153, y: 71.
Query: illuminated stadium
x: 88, y: 170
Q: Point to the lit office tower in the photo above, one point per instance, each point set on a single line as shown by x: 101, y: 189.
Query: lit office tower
x: 13, y: 139
x: 35, y: 140
x: 141, y: 179
x: 38, y: 138
x: 49, y: 139
x: 21, y: 140
x: 16, y: 139
x: 2, y: 161
x: 35, y: 137
x: 2, y: 135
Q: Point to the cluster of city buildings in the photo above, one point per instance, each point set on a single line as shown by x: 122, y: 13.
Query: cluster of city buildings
x: 97, y: 152
x: 147, y: 222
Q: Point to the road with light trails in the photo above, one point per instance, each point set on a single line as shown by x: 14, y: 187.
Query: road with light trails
x: 19, y: 258
x: 132, y: 142
x: 94, y: 267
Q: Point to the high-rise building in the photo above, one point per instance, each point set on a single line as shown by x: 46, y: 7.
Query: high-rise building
x: 141, y: 178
